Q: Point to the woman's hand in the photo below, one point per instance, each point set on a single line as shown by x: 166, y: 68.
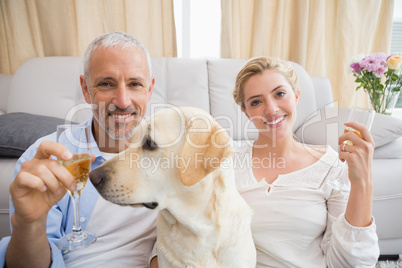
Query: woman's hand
x: 359, y: 157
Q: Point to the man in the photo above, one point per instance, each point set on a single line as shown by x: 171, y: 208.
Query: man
x: 118, y: 83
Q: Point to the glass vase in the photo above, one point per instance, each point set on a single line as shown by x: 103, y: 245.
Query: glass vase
x: 384, y: 102
x: 390, y: 99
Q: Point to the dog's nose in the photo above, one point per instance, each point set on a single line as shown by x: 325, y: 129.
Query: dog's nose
x: 96, y: 176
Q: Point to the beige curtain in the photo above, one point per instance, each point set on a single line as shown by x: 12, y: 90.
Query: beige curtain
x: 38, y: 28
x: 321, y: 35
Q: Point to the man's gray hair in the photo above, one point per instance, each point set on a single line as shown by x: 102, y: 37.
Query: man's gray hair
x: 114, y: 39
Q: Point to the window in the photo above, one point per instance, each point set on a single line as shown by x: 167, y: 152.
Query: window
x: 198, y: 28
x: 396, y: 39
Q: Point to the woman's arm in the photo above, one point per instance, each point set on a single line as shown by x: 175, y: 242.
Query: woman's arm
x: 359, y: 158
x: 154, y: 262
x: 350, y: 239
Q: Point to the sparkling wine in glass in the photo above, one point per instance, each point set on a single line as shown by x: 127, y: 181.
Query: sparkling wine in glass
x: 76, y: 139
x: 363, y: 116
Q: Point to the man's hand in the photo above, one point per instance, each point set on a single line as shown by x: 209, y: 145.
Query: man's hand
x: 40, y: 184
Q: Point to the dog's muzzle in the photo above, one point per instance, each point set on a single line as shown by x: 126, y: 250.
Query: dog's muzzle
x: 96, y: 177
x: 99, y: 178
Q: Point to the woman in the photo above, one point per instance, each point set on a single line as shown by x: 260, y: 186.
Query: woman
x: 299, y: 221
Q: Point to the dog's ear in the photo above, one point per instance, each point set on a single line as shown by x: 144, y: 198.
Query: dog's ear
x: 206, y: 145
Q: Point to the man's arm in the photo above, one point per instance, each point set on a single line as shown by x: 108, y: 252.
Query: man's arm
x: 28, y: 242
x: 39, y: 185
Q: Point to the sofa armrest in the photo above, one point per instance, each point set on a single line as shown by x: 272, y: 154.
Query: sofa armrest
x: 7, y: 166
x: 387, y: 197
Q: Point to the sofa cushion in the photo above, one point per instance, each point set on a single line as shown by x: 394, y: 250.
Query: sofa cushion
x: 46, y: 86
x: 326, y: 125
x: 323, y: 92
x: 172, y: 87
x: 221, y: 78
x: 19, y: 130
x: 390, y: 150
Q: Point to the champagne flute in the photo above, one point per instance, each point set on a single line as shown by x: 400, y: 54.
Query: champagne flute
x: 76, y: 139
x: 363, y: 116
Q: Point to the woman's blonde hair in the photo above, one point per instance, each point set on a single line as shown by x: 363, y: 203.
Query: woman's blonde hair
x: 259, y: 65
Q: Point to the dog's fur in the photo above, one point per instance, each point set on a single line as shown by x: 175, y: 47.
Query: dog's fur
x: 202, y: 221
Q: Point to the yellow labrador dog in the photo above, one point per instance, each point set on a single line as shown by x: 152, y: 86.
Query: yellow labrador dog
x: 179, y: 162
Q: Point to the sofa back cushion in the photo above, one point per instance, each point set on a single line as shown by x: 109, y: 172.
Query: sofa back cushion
x: 179, y: 82
x: 46, y: 86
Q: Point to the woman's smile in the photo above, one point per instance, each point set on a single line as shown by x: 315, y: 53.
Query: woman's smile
x: 276, y: 122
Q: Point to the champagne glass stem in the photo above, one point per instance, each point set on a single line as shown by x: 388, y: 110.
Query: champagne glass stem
x: 76, y: 206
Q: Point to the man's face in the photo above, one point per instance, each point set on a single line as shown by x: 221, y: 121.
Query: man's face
x: 119, y: 89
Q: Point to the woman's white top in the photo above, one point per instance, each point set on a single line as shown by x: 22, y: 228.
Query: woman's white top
x: 299, y: 221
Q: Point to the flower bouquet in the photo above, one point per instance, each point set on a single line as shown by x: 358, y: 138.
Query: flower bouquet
x: 380, y: 76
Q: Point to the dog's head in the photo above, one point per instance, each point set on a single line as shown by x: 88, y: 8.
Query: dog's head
x: 174, y: 148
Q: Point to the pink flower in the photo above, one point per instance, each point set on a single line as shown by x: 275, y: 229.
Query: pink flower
x: 355, y: 66
x: 380, y: 57
x: 376, y: 63
x: 380, y: 71
x: 368, y: 64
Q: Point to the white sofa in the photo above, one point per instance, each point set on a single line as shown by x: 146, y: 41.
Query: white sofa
x: 50, y: 87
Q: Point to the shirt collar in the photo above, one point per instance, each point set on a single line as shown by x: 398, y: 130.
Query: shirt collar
x: 94, y: 146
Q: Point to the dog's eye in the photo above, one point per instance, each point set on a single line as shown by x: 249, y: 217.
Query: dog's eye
x: 149, y: 145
